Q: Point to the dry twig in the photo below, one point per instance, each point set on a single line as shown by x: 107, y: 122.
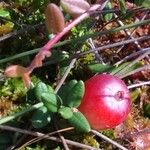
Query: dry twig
x: 108, y: 140
x: 38, y: 134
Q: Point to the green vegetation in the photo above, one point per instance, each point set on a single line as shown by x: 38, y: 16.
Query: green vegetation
x: 43, y: 66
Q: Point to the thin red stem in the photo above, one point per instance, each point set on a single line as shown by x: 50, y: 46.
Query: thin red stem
x: 53, y: 41
x: 45, y: 50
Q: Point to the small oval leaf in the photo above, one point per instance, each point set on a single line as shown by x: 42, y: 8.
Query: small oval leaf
x: 65, y: 112
x: 15, y: 71
x: 74, y: 7
x: 65, y: 89
x: 41, y: 88
x: 99, y: 68
x: 122, y: 6
x: 4, y: 13
x: 79, y: 122
x: 50, y: 101
x: 54, y: 19
x: 108, y: 16
x: 41, y: 118
x: 72, y: 93
x: 75, y: 96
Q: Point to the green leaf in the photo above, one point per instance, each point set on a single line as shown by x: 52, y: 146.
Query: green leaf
x: 41, y: 117
x: 75, y: 96
x: 65, y: 90
x: 99, y: 68
x: 50, y: 101
x: 72, y: 93
x: 79, y: 122
x: 122, y: 6
x: 4, y: 13
x: 65, y: 112
x: 41, y: 88
x: 108, y: 16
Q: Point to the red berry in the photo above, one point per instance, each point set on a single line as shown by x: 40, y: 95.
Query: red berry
x: 106, y: 102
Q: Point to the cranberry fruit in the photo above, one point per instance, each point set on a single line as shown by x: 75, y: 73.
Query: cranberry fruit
x: 106, y: 102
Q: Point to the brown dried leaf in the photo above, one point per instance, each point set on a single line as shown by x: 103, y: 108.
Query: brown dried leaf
x: 15, y: 71
x: 54, y: 19
x: 38, y: 60
x: 75, y: 7
x: 5, y: 106
x: 19, y: 71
